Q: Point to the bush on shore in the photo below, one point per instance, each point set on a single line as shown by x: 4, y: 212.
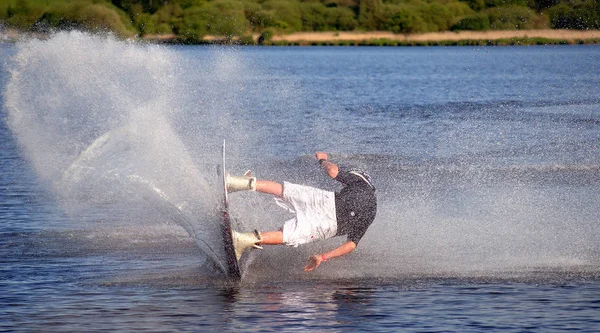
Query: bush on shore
x: 193, y: 20
x: 42, y: 16
x: 577, y: 14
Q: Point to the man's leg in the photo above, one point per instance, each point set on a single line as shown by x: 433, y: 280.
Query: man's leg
x: 249, y: 183
x: 244, y: 241
x: 271, y: 238
x: 269, y: 187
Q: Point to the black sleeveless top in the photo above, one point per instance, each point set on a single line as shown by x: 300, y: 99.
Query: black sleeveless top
x: 355, y: 204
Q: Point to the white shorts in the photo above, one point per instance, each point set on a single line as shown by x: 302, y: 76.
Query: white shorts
x: 315, y: 214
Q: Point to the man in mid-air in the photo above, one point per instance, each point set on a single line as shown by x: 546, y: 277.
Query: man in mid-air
x: 320, y: 214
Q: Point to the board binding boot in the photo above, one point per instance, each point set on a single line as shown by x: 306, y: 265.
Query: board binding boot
x: 245, y: 240
x: 240, y: 183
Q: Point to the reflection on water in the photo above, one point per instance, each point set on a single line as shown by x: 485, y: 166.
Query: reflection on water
x: 274, y: 307
x: 432, y: 305
x: 161, y: 286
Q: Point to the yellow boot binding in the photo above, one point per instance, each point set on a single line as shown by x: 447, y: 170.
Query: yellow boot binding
x: 240, y: 183
x: 245, y: 240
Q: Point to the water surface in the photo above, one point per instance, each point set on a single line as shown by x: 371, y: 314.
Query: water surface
x: 486, y: 161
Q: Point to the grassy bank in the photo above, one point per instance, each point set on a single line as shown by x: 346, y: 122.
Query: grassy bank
x: 507, y: 37
x: 464, y: 38
x: 382, y: 38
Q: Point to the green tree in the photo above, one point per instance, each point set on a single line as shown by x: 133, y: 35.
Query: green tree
x: 476, y: 5
x: 477, y: 22
x: 544, y: 4
x: 313, y: 16
x: 100, y: 17
x: 436, y: 16
x: 505, y: 3
x: 225, y: 18
x: 145, y: 24
x: 402, y: 19
x: 256, y: 16
x: 575, y: 14
x: 370, y: 13
x: 24, y: 14
x: 284, y: 15
x: 193, y: 25
x: 343, y: 18
x: 511, y: 18
x: 459, y: 9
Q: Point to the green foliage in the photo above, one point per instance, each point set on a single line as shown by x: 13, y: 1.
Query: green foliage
x: 476, y: 5
x: 477, y: 22
x: 505, y: 3
x: 145, y: 24
x: 99, y: 17
x: 223, y: 18
x: 284, y: 15
x: 402, y: 19
x: 499, y: 18
x: 511, y: 18
x: 23, y: 14
x: 318, y: 17
x: 370, y: 13
x: 192, y: 25
x: 436, y: 16
x: 226, y: 18
x: 35, y: 15
x: 265, y: 37
x: 345, y: 19
x: 543, y: 4
x: 238, y: 20
x: 479, y: 5
x: 256, y: 16
x: 313, y: 17
x: 415, y: 17
x: 459, y: 9
x: 146, y: 6
x: 577, y: 14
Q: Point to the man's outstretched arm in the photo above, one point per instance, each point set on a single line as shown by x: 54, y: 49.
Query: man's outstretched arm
x: 330, y: 168
x: 317, y: 259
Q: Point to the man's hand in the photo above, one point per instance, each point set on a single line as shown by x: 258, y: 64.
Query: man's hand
x: 313, y: 262
x: 321, y: 155
x: 317, y: 259
x: 330, y: 168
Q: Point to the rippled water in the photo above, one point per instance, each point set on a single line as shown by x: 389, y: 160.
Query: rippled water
x: 486, y: 162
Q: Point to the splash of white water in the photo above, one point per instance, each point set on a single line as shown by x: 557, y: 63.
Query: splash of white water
x: 93, y: 116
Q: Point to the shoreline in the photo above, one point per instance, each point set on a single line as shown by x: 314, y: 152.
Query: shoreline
x: 440, y: 36
x: 502, y: 37
x: 386, y: 38
x: 376, y: 38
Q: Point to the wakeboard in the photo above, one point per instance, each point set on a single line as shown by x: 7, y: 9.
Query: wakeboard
x: 232, y: 264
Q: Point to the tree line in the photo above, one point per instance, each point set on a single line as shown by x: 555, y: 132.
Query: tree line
x: 191, y: 20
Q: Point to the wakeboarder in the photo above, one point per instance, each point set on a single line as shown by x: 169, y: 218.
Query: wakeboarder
x: 319, y: 214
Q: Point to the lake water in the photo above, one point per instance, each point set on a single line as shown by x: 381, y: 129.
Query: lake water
x: 486, y: 161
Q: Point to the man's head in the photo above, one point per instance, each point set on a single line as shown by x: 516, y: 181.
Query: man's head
x: 355, y: 177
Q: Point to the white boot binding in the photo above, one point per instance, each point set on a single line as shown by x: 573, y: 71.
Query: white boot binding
x: 240, y: 183
x: 245, y: 240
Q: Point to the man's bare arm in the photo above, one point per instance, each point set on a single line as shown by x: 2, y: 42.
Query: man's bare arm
x: 317, y: 259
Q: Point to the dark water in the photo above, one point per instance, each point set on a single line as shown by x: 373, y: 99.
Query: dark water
x: 486, y: 160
